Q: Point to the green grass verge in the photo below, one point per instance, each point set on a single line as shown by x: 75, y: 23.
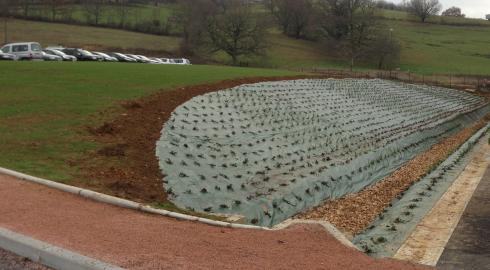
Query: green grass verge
x: 45, y: 107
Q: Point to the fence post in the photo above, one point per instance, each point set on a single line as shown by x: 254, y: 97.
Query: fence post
x: 450, y: 81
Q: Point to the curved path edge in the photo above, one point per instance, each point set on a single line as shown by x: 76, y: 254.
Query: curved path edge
x: 47, y: 254
x: 99, y: 197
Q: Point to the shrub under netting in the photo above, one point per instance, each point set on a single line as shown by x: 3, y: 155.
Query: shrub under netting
x: 270, y: 150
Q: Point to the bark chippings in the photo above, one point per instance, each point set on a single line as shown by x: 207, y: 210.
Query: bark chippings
x: 354, y: 212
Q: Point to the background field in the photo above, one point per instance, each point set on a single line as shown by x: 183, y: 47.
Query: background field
x: 426, y: 48
x: 85, y: 36
x: 45, y: 108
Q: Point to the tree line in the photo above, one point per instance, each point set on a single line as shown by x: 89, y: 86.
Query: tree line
x: 121, y: 14
x: 348, y: 29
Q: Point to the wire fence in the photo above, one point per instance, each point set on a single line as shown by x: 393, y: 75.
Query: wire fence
x: 465, y: 82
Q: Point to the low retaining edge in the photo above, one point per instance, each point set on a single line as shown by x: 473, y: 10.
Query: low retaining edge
x: 96, y: 196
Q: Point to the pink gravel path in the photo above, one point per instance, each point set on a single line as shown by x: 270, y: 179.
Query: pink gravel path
x: 135, y: 240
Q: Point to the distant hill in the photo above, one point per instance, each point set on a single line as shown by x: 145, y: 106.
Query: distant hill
x: 443, y: 45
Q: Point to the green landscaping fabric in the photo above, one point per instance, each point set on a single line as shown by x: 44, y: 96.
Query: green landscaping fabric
x: 389, y: 231
x: 270, y: 150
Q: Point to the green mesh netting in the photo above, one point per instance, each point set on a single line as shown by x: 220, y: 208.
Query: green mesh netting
x: 270, y: 150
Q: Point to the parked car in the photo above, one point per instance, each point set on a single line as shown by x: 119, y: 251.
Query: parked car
x: 137, y: 58
x: 24, y: 50
x: 64, y: 56
x: 165, y: 61
x: 180, y: 61
x: 106, y: 57
x: 147, y: 60
x: 80, y: 54
x: 157, y: 60
x: 123, y: 58
x: 7, y: 56
x: 51, y: 57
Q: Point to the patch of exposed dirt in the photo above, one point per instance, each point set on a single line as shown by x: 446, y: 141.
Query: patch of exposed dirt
x: 125, y: 165
x: 354, y: 212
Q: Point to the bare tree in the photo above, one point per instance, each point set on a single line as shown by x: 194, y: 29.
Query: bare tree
x: 271, y: 5
x: 424, y: 8
x: 453, y: 12
x: 93, y: 9
x: 351, y: 25
x: 294, y: 16
x: 385, y: 49
x: 192, y: 16
x: 25, y: 6
x: 236, y: 30
x: 229, y: 26
x: 56, y: 7
x: 6, y: 10
x: 123, y: 10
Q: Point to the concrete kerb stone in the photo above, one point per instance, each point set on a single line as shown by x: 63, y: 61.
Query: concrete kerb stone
x: 329, y: 228
x: 47, y: 254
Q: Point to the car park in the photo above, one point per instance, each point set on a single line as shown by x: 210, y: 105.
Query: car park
x: 105, y: 57
x: 137, y: 58
x: 50, y: 57
x: 180, y: 61
x: 64, y: 56
x: 7, y: 56
x: 157, y: 60
x: 24, y: 50
x: 122, y: 58
x: 80, y: 54
x: 165, y: 61
x: 33, y: 51
x: 148, y: 60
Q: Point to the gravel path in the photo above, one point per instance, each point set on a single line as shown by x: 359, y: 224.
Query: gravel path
x: 141, y: 241
x: 10, y: 261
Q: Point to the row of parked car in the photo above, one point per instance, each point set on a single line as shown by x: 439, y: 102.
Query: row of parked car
x: 34, y: 51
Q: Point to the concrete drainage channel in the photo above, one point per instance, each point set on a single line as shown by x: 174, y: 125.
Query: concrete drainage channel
x: 60, y: 258
x: 398, y: 231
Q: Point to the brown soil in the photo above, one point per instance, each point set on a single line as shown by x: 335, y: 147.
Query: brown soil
x: 126, y: 165
x: 353, y: 213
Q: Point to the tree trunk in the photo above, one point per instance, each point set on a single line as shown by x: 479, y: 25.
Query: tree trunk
x: 234, y: 58
x: 5, y: 28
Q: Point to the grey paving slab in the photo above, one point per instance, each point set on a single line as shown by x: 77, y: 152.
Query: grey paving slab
x: 469, y: 246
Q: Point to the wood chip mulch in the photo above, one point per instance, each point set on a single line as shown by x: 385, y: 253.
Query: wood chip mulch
x: 354, y: 212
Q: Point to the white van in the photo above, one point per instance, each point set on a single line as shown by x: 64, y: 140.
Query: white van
x: 24, y: 50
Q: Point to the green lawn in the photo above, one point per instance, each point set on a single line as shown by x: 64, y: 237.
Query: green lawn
x: 45, y: 107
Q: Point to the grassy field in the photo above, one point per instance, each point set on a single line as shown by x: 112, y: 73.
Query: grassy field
x: 110, y: 15
x: 445, y: 20
x: 86, y: 36
x: 45, y: 107
x: 433, y: 48
x: 426, y: 48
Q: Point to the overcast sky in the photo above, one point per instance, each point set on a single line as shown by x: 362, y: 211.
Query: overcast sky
x: 472, y: 8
